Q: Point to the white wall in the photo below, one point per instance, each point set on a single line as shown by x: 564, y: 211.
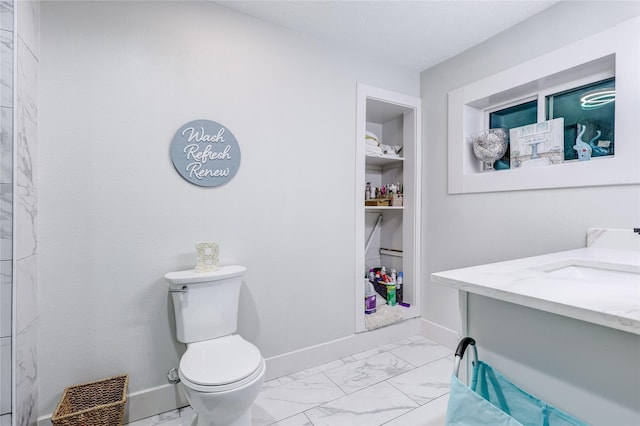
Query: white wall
x: 468, y: 229
x: 117, y: 80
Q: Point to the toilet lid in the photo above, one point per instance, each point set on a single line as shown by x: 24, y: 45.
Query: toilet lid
x: 220, y: 361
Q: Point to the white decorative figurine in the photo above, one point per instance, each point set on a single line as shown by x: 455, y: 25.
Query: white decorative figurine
x: 207, y: 256
x: 584, y: 149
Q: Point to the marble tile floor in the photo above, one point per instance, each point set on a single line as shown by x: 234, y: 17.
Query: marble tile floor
x: 405, y: 383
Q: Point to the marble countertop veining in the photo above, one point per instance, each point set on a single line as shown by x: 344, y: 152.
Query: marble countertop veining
x: 611, y: 302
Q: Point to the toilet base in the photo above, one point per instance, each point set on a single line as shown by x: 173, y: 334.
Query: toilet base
x: 243, y: 420
x: 225, y: 408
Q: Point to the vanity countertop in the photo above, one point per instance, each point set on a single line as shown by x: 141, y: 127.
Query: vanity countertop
x: 596, y: 285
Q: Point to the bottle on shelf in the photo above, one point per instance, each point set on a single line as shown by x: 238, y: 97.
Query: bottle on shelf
x: 391, y: 294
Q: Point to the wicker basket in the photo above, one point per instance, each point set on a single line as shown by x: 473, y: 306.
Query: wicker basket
x: 98, y: 403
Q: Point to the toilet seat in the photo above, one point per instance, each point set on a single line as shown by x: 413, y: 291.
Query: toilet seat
x: 220, y: 364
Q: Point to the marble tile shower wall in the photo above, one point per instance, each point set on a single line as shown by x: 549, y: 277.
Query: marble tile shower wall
x: 27, y: 45
x: 6, y: 206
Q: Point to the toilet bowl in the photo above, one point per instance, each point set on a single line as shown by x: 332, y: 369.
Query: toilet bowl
x: 221, y: 373
x: 221, y: 378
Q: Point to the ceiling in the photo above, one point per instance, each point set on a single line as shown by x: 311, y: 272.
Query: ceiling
x: 413, y: 34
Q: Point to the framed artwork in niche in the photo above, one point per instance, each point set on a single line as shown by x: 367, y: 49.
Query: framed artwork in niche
x: 539, y: 144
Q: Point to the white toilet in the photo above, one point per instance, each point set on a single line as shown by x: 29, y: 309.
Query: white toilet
x: 221, y: 373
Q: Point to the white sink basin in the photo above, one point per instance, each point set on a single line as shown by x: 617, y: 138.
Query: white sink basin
x: 592, y: 271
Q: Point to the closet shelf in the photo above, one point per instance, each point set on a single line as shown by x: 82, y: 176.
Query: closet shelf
x: 374, y: 160
x: 391, y: 252
x: 375, y: 209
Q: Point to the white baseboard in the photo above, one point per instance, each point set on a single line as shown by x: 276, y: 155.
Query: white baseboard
x: 439, y: 334
x: 153, y: 401
x: 312, y: 356
x: 150, y: 402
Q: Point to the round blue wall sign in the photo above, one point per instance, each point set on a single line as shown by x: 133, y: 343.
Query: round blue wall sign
x: 205, y: 153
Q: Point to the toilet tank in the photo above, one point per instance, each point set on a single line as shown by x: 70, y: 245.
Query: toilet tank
x: 205, y: 303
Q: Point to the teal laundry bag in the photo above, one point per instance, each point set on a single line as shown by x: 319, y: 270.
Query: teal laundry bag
x: 493, y: 400
x: 467, y: 408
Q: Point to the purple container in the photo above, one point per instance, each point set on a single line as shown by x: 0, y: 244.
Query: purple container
x: 370, y: 304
